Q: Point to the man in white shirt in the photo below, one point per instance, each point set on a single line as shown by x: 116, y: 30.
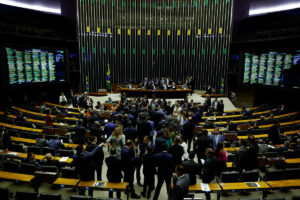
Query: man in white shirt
x: 62, y: 99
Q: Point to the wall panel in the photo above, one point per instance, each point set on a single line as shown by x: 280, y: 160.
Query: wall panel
x: 152, y: 38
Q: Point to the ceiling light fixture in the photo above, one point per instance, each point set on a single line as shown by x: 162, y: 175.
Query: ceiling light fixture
x: 265, y: 10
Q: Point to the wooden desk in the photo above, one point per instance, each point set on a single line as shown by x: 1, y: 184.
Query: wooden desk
x: 230, y: 149
x: 203, y: 94
x: 197, y: 187
x: 32, y: 141
x: 243, y: 186
x: 122, y: 186
x: 62, y: 182
x: 292, y: 161
x: 39, y: 157
x: 284, y: 183
x: 40, y: 114
x: 57, y: 105
x: 21, y: 128
x: 16, y: 176
x: 158, y: 93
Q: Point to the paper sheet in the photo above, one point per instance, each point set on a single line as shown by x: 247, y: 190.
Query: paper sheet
x: 205, y: 187
x: 12, y: 153
x: 64, y: 159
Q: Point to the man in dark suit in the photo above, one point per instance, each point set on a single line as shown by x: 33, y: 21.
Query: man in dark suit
x: 143, y: 127
x: 114, y: 170
x: 274, y: 133
x: 208, y: 89
x: 85, y: 166
x: 49, y: 161
x: 177, y: 151
x: 216, y: 104
x: 130, y: 132
x: 242, y: 156
x: 209, y: 169
x: 79, y: 136
x: 5, y: 140
x: 208, y: 101
x: 149, y: 171
x: 216, y: 138
x: 201, y: 144
x: 41, y: 142
x: 165, y: 165
x: 192, y: 168
x: 98, y: 158
x: 181, y: 183
x: 128, y: 158
x: 188, y: 132
x: 56, y: 144
x: 158, y: 143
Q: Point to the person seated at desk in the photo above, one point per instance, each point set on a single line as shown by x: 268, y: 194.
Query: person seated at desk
x: 157, y: 82
x: 145, y: 83
x: 49, y: 161
x: 169, y: 83
x: 173, y: 86
x: 152, y: 86
x: 49, y: 119
x: 140, y: 85
x: 31, y: 160
x: 129, y: 85
x: 284, y: 147
x: 41, y: 142
x: 99, y: 105
x: 162, y: 81
x: 20, y: 117
x: 56, y: 144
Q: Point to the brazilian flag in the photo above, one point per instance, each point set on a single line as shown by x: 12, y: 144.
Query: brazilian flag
x: 222, y: 86
x: 108, y: 78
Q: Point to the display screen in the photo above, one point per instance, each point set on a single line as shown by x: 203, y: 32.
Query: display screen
x: 35, y: 65
x: 272, y: 69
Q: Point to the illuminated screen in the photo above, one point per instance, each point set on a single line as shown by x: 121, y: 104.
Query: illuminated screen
x: 35, y: 65
x: 272, y: 69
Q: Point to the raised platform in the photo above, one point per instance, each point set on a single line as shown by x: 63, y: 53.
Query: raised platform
x: 178, y: 93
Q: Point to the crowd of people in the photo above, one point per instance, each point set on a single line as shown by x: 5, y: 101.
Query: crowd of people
x: 156, y: 138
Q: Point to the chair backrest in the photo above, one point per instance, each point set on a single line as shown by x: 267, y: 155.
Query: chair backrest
x: 34, y: 149
x: 66, y: 153
x: 27, y: 168
x: 250, y: 176
x: 4, y: 194
x: 67, y: 172
x: 47, y: 168
x: 11, y: 166
x: 229, y: 177
x: 274, y: 175
x: 44, y: 196
x: 46, y: 150
x: 16, y: 147
x: 290, y: 154
x: 292, y: 173
x: 26, y: 196
x: 80, y: 197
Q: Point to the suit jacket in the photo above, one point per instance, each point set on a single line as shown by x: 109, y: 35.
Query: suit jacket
x: 6, y: 140
x: 165, y: 164
x: 181, y: 187
x: 109, y: 128
x: 273, y: 134
x: 99, y: 155
x: 158, y: 142
x: 210, y: 168
x: 192, y: 169
x: 241, y: 158
x: 41, y: 142
x: 253, y: 157
x: 201, y: 144
x: 177, y: 152
x: 79, y: 136
x: 84, y: 164
x: 130, y: 133
x: 143, y: 129
x: 114, y: 169
x: 188, y: 129
x: 149, y: 164
x: 128, y: 163
x: 214, y: 142
x: 56, y: 144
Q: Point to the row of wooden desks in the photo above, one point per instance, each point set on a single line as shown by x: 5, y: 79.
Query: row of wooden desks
x: 38, y: 157
x: 32, y: 141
